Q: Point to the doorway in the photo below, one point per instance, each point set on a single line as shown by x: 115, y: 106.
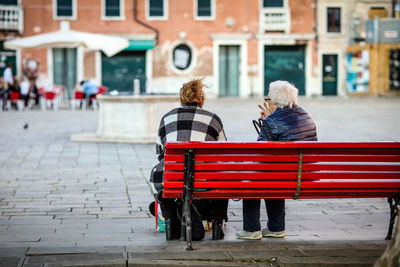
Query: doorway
x: 124, y: 71
x: 64, y: 68
x: 229, y: 74
x: 329, y: 74
x: 285, y: 63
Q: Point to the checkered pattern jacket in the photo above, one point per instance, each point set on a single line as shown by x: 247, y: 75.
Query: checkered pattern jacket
x: 188, y: 123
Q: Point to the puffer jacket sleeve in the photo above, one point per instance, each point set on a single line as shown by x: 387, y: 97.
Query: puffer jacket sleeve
x: 273, y: 129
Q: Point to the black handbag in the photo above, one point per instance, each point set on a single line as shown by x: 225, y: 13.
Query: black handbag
x: 261, y: 125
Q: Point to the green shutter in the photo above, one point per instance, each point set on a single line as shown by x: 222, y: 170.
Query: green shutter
x: 120, y: 71
x: 204, y: 8
x: 64, y: 8
x: 156, y: 8
x: 9, y: 2
x: 112, y: 8
x: 140, y: 45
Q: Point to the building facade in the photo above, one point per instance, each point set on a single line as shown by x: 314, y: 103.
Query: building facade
x: 238, y: 48
x: 349, y: 64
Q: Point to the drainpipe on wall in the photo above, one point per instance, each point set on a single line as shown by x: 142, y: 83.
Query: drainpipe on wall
x: 142, y: 23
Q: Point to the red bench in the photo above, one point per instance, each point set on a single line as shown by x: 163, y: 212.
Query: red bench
x: 289, y: 170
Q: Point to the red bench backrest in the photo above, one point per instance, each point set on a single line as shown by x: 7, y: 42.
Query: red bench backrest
x: 271, y: 169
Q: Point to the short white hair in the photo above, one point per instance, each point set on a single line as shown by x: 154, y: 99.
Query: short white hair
x: 283, y: 94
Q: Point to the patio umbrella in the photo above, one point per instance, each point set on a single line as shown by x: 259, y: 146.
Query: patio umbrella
x: 110, y: 45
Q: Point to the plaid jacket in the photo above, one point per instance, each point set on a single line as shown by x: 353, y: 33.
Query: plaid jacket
x: 188, y: 123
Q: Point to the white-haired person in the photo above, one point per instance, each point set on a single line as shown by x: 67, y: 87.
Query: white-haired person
x: 286, y: 122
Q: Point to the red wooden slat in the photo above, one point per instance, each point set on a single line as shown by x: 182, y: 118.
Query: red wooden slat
x: 247, y: 151
x: 351, y: 175
x: 235, y: 158
x: 234, y: 166
x: 287, y: 158
x: 333, y: 185
x: 235, y: 175
x: 281, y: 144
x: 288, y: 151
x: 350, y: 167
x: 353, y: 151
x: 346, y: 158
x: 247, y: 158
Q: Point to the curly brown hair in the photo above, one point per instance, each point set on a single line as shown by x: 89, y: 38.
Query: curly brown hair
x: 192, y: 92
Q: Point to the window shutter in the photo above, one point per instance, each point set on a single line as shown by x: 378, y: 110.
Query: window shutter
x: 112, y: 8
x: 204, y: 8
x: 333, y: 19
x: 273, y: 3
x: 64, y: 8
x: 156, y: 8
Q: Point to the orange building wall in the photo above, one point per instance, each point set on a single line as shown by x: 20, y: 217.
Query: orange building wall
x: 39, y: 19
x: 302, y: 16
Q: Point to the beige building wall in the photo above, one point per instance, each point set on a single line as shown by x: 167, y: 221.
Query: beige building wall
x: 353, y: 16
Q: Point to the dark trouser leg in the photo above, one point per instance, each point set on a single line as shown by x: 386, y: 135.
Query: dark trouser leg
x: 168, y: 208
x: 212, y: 209
x: 220, y: 214
x: 172, y: 223
x: 276, y: 214
x: 221, y: 209
x: 251, y: 215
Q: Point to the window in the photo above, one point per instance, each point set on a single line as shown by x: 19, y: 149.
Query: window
x: 112, y: 8
x: 204, y: 9
x: 182, y: 56
x: 272, y: 3
x: 157, y: 9
x: 64, y: 8
x: 9, y: 2
x: 333, y: 19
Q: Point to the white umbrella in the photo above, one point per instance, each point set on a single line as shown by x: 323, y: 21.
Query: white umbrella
x: 110, y: 45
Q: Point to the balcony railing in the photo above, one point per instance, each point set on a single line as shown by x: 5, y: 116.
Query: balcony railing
x: 275, y: 19
x: 11, y: 18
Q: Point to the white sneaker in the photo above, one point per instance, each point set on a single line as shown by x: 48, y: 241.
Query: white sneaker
x: 267, y: 233
x: 249, y: 235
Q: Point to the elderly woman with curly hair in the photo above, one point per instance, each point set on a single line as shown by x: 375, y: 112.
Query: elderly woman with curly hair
x: 284, y: 121
x: 190, y: 122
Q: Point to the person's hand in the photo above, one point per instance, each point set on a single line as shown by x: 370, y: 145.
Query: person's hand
x: 265, y: 110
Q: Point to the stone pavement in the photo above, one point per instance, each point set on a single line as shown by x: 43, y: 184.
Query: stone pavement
x: 86, y: 204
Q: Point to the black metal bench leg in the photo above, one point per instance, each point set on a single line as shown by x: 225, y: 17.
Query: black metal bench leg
x: 188, y: 218
x: 188, y: 181
x: 394, y: 211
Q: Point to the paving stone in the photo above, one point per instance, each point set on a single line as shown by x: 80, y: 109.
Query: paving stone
x: 90, y: 259
x: 10, y: 261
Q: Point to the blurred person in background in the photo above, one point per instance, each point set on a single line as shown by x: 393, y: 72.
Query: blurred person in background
x: 24, y: 90
x: 89, y: 89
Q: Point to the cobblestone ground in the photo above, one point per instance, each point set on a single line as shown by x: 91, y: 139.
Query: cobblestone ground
x: 56, y: 193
